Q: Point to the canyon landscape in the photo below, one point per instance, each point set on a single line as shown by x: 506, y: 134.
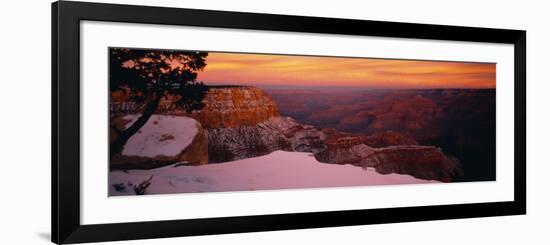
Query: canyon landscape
x: 234, y: 132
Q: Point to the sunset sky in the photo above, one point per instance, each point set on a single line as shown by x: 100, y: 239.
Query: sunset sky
x: 308, y: 71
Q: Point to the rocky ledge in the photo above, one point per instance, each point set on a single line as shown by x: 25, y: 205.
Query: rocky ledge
x: 423, y: 162
x: 330, y: 146
x: 243, y: 122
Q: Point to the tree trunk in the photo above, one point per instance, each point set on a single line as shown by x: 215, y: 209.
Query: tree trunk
x: 118, y: 144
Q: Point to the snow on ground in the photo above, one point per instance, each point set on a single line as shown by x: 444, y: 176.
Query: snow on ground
x: 160, y: 136
x: 278, y: 170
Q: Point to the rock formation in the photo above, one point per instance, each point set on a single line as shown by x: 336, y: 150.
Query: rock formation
x: 424, y: 162
x: 161, y: 141
x: 243, y: 122
x: 228, y: 107
x: 276, y: 133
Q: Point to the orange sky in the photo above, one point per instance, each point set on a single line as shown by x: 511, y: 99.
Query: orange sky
x: 306, y: 71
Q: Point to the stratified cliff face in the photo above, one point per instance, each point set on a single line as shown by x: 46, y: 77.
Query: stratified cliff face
x: 230, y: 107
x: 225, y: 107
x: 424, y: 162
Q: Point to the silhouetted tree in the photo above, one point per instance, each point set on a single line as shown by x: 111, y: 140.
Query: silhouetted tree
x: 148, y: 75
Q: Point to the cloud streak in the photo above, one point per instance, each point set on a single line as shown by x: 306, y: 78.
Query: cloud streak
x: 286, y: 70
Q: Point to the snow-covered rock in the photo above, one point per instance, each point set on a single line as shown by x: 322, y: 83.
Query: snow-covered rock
x: 284, y: 133
x: 163, y: 140
x: 276, y: 133
x: 424, y: 162
x: 277, y: 170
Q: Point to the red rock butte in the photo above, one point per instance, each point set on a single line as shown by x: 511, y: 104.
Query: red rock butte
x: 230, y: 107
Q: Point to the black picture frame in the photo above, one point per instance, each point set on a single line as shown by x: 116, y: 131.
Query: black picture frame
x: 66, y: 17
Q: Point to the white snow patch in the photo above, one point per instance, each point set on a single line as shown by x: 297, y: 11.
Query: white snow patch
x: 278, y: 170
x: 160, y: 136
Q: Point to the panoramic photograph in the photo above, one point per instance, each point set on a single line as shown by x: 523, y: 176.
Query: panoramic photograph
x: 187, y: 121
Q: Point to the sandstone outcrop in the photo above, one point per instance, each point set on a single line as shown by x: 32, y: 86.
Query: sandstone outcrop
x: 224, y: 107
x: 228, y: 107
x: 423, y: 162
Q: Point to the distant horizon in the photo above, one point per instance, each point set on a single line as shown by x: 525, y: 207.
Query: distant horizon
x: 325, y: 88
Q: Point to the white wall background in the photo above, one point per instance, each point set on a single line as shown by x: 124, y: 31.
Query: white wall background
x: 25, y: 125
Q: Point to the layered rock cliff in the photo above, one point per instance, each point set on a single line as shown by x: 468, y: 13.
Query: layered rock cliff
x: 424, y: 162
x: 224, y: 107
x: 243, y: 122
x: 235, y: 107
x: 228, y: 107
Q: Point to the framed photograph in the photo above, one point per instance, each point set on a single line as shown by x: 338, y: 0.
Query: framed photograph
x: 176, y: 122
